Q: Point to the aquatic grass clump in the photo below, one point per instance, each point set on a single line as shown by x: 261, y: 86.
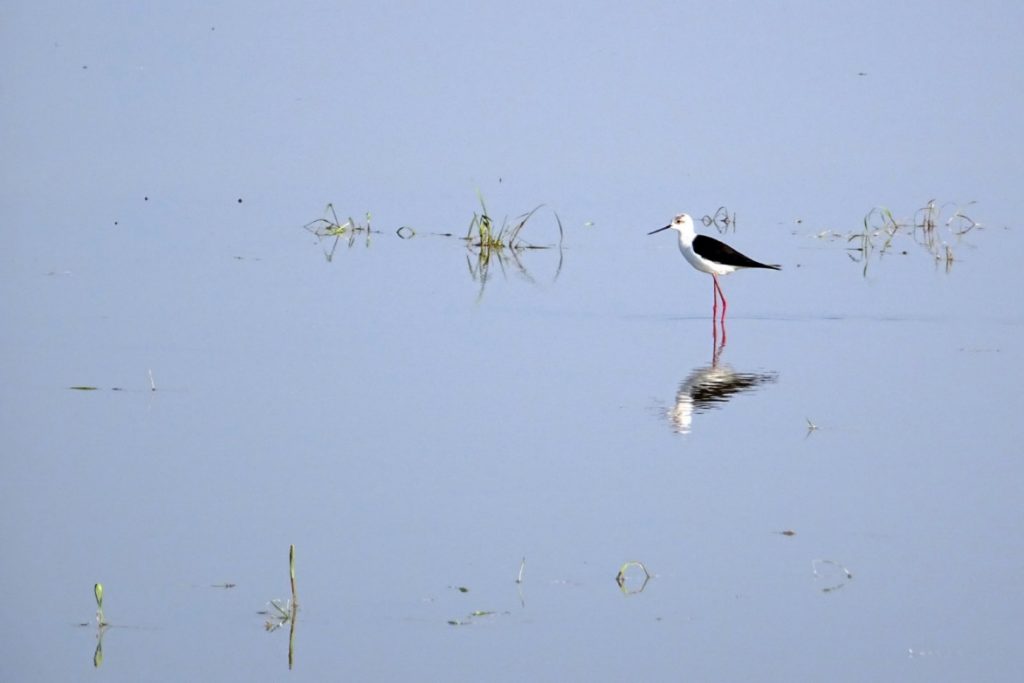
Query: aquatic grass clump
x: 285, y: 612
x: 330, y: 226
x: 97, y: 591
x: 720, y: 220
x: 101, y: 625
x: 483, y: 233
x: 881, y: 229
x: 487, y: 240
x: 928, y: 222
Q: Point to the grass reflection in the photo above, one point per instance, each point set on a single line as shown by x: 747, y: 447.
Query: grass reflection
x: 490, y: 244
x: 331, y: 227
x: 933, y: 227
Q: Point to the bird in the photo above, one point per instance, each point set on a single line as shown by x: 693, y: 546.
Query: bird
x: 709, y: 255
x: 711, y: 387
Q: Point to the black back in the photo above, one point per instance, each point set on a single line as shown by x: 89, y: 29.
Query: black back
x: 720, y: 252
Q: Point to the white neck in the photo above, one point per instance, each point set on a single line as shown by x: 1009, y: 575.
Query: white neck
x: 683, y: 224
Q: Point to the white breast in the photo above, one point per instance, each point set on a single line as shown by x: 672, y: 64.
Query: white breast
x: 701, y: 264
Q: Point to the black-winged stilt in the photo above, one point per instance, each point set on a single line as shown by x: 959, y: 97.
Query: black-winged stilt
x: 709, y: 255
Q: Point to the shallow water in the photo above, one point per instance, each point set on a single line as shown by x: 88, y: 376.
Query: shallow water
x: 414, y: 433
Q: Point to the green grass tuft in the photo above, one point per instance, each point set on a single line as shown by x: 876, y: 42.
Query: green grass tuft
x: 330, y: 226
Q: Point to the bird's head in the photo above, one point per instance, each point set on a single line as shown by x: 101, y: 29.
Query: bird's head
x: 682, y: 224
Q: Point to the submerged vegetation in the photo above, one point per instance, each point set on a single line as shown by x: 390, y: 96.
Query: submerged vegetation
x: 329, y: 226
x: 720, y: 220
x: 285, y: 612
x: 97, y: 592
x: 933, y: 227
x: 490, y: 243
x: 484, y: 234
x: 627, y: 574
x: 101, y: 625
x: 487, y: 241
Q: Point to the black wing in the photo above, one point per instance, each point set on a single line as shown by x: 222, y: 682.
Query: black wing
x: 720, y: 252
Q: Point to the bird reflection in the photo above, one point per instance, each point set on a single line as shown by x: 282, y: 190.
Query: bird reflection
x: 711, y: 386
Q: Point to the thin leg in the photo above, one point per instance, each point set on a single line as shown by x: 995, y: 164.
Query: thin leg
x: 714, y: 306
x: 718, y: 292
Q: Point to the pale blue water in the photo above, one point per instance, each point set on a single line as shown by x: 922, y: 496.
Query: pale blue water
x: 412, y: 435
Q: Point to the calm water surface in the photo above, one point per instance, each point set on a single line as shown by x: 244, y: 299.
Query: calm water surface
x: 416, y: 435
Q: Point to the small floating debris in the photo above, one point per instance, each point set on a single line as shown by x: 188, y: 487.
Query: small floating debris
x: 623, y: 577
x: 833, y: 572
x: 474, y: 616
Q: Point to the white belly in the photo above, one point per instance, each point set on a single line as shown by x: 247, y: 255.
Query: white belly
x: 701, y: 264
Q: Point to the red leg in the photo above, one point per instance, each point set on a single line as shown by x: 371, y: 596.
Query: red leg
x: 718, y: 291
x: 715, y: 336
x: 714, y: 306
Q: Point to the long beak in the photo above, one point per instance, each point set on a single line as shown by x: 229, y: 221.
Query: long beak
x: 659, y: 229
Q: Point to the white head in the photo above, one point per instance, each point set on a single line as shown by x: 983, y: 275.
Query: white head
x: 682, y: 224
